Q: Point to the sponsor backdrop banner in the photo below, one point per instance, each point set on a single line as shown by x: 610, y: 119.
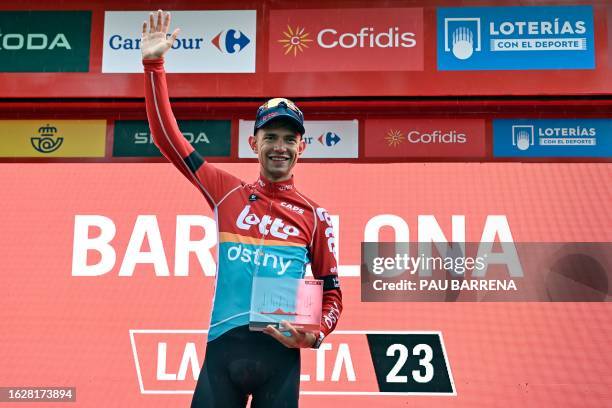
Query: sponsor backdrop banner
x: 425, y: 138
x: 108, y: 273
x: 552, y: 138
x: 376, y: 39
x: 609, y: 37
x: 209, y: 137
x: 44, y: 41
x: 209, y: 41
x: 325, y: 139
x: 518, y: 38
x: 52, y: 138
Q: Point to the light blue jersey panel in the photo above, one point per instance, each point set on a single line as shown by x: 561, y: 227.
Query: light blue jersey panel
x: 238, y: 262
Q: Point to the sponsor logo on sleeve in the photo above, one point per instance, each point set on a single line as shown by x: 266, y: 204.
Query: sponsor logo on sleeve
x: 515, y: 38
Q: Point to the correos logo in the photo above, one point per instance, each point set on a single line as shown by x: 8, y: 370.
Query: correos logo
x: 277, y: 227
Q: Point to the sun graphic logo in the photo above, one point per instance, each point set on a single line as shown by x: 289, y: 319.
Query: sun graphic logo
x: 295, y: 40
x: 394, y: 138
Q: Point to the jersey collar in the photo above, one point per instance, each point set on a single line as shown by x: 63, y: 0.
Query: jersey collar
x: 267, y: 186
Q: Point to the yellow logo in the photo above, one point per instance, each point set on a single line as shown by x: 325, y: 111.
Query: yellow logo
x: 394, y: 138
x: 46, y: 143
x: 57, y: 138
x: 295, y: 40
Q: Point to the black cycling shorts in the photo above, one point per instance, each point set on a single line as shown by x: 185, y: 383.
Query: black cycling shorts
x: 241, y: 363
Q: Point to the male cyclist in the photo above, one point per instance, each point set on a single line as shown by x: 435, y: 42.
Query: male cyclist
x: 267, y: 227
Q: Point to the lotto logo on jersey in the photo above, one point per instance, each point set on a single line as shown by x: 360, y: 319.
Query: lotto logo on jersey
x: 230, y: 41
x: 277, y: 229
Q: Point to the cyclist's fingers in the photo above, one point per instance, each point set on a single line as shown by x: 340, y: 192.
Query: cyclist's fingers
x: 175, y: 34
x: 272, y: 331
x: 166, y: 25
x: 158, y: 26
x: 151, y: 23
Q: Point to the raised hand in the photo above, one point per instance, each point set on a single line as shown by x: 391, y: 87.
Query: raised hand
x: 154, y: 42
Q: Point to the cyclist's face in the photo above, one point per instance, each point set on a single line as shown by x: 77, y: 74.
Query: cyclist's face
x: 277, y: 150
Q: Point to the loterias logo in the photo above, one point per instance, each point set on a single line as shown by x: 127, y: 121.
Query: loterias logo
x: 483, y: 38
x: 552, y: 138
x: 425, y: 138
x: 362, y: 40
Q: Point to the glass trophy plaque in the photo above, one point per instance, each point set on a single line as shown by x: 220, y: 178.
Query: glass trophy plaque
x: 298, y: 301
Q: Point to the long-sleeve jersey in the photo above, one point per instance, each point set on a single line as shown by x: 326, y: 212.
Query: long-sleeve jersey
x: 265, y: 227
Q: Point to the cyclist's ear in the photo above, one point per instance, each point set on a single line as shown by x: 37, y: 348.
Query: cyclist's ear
x: 301, y: 145
x: 253, y: 143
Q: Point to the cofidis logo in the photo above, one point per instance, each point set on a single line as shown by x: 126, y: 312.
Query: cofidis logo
x: 515, y: 38
x: 425, y: 138
x: 353, y: 40
x: 552, y: 138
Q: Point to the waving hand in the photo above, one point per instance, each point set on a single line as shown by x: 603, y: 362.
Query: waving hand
x: 155, y: 43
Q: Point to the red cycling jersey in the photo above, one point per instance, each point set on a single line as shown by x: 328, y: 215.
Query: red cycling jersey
x: 293, y: 229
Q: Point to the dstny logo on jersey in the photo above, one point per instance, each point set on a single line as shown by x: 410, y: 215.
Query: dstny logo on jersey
x: 266, y: 224
x: 360, y: 40
x: 515, y: 38
x: 209, y: 41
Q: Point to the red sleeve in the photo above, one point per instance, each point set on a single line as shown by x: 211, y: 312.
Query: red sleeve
x: 212, y: 182
x: 325, y: 267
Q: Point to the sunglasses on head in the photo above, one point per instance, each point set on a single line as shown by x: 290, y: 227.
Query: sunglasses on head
x: 276, y: 102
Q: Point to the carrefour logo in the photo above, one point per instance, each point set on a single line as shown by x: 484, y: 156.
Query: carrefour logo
x: 210, y: 41
x: 325, y: 139
x: 515, y: 38
x: 329, y: 139
x: 230, y: 41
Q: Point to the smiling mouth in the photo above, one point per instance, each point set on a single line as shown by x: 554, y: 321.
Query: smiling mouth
x: 278, y: 158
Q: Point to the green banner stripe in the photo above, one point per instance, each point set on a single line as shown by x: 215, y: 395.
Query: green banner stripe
x: 44, y: 41
x: 132, y: 138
